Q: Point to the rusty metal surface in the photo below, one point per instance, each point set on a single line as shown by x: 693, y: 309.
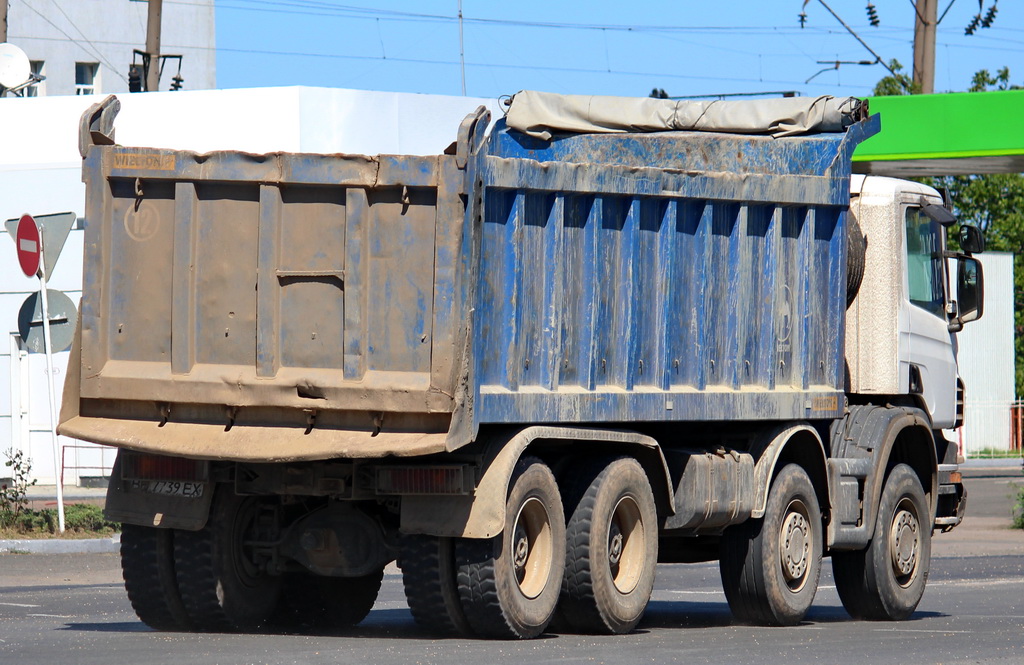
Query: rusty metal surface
x: 659, y: 277
x: 592, y: 279
x: 253, y: 443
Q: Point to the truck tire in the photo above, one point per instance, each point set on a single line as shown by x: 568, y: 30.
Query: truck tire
x: 509, y: 584
x: 770, y: 566
x: 221, y: 588
x: 611, y: 549
x: 885, y: 582
x: 323, y: 603
x: 431, y: 589
x: 147, y: 565
x: 856, y: 252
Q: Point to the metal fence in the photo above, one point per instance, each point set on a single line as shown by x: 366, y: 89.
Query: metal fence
x: 992, y: 429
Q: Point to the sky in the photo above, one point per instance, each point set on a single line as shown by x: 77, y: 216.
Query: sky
x: 625, y: 47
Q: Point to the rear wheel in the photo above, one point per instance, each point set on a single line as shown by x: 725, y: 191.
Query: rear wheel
x: 221, y: 586
x: 611, y: 551
x: 885, y: 582
x: 428, y: 574
x: 509, y: 584
x: 770, y: 566
x: 147, y: 564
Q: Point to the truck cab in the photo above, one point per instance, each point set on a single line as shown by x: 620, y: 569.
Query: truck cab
x: 910, y: 349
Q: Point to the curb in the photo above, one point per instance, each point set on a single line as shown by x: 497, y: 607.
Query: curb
x: 996, y: 463
x: 58, y: 546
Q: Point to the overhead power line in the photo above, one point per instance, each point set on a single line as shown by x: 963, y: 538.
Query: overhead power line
x: 91, y: 49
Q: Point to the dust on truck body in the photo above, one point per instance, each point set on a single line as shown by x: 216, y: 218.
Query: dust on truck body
x: 527, y: 370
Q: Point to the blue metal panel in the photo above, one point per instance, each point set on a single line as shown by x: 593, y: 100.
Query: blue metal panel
x: 673, y: 276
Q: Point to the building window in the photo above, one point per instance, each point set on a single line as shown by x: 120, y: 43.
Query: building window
x: 86, y: 75
x: 36, y: 89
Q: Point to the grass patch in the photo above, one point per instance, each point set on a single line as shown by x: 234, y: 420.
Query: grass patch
x: 996, y: 453
x: 81, y: 520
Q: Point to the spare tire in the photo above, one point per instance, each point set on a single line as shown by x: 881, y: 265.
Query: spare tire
x: 856, y: 248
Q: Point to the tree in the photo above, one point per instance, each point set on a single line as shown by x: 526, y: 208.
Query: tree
x: 897, y: 83
x: 995, y: 203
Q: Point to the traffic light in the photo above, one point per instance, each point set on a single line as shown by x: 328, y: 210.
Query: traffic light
x: 135, y: 78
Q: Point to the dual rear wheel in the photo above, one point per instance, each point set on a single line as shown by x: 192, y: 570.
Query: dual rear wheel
x: 587, y: 553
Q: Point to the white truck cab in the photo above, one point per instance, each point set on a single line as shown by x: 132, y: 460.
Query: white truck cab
x: 910, y: 349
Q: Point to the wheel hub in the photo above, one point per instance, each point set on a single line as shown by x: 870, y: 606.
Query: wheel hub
x: 522, y: 550
x: 904, y: 542
x: 531, y: 548
x: 615, y: 544
x: 795, y: 545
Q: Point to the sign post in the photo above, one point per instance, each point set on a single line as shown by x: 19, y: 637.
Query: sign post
x: 30, y: 256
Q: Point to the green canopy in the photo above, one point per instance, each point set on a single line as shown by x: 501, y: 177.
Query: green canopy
x: 949, y: 134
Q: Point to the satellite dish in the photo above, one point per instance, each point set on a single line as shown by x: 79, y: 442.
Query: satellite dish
x: 14, y: 67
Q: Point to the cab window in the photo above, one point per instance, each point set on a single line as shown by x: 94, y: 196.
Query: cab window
x: 924, y: 262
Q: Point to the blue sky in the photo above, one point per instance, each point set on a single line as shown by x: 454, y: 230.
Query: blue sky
x: 618, y: 48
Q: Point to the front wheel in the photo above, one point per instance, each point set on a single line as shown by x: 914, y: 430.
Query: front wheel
x: 770, y: 566
x: 509, y: 584
x: 885, y: 582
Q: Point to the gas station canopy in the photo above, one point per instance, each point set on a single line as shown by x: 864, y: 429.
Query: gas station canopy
x: 964, y: 133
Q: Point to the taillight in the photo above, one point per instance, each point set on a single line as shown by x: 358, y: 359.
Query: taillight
x: 424, y: 480
x: 136, y: 466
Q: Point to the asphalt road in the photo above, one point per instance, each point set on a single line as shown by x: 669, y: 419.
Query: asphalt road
x: 69, y: 609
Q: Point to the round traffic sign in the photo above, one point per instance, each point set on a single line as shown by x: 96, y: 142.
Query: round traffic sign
x: 62, y: 314
x: 27, y: 240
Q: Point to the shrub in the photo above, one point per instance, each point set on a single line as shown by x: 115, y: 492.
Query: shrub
x: 78, y: 518
x: 14, y: 495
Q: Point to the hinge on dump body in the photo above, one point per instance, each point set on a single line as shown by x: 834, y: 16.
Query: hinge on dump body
x: 471, y: 134
x: 96, y: 126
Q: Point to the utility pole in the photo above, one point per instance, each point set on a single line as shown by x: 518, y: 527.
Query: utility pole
x: 3, y: 21
x: 925, y: 24
x: 462, y: 52
x: 152, y: 44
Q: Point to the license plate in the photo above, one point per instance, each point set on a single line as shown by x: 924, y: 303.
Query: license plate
x: 169, y: 488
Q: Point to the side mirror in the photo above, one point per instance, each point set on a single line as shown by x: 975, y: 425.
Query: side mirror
x: 970, y: 292
x: 971, y: 239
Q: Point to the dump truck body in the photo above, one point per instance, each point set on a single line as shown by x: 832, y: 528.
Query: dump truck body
x: 392, y: 305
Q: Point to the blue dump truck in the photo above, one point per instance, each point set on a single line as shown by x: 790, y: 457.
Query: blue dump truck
x: 593, y: 336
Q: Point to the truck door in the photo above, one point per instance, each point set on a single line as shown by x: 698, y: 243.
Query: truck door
x: 931, y: 364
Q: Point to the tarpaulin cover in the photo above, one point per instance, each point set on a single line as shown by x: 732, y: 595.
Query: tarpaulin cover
x: 541, y: 114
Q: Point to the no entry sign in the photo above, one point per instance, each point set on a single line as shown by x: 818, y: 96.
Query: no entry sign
x: 27, y: 241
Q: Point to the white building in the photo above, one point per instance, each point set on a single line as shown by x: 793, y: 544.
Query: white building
x: 986, y: 362
x: 40, y: 173
x: 86, y: 46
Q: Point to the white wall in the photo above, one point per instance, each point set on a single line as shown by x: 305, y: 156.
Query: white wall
x: 986, y: 361
x: 40, y: 173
